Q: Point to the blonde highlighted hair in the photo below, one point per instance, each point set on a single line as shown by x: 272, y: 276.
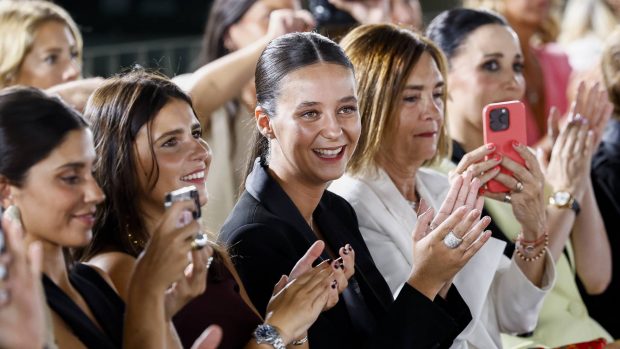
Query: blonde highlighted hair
x: 384, y: 56
x: 548, y: 30
x: 19, y: 22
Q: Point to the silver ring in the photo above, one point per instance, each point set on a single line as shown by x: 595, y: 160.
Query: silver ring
x: 507, y: 198
x: 200, y: 241
x: 451, y: 241
x: 519, y: 187
x: 209, y: 261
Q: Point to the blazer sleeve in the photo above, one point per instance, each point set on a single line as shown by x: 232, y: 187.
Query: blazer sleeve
x: 261, y: 257
x: 414, y: 321
x: 515, y: 294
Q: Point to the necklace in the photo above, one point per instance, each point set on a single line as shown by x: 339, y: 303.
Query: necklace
x: 415, y: 203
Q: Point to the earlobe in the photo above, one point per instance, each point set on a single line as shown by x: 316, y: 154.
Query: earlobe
x: 263, y: 122
x: 5, y: 192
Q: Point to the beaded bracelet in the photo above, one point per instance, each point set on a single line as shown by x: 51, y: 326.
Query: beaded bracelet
x: 529, y: 248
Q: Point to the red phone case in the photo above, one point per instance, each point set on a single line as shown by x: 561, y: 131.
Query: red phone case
x: 504, y: 139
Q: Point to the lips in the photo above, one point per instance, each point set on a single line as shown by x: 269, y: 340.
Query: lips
x: 196, y: 176
x: 426, y: 134
x: 330, y: 153
x: 87, y: 219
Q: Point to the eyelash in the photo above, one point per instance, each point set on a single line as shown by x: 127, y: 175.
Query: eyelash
x: 51, y: 59
x: 516, y: 67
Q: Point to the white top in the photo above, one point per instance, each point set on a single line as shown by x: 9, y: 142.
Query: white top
x: 499, y: 296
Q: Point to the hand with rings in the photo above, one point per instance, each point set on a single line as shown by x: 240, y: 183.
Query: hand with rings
x: 527, y: 193
x: 171, y: 263
x: 443, y: 243
x: 482, y: 162
x: 22, y: 302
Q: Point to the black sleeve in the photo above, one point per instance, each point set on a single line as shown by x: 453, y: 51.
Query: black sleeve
x: 414, y: 321
x: 261, y: 257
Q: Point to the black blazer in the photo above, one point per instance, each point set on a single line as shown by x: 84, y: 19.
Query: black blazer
x: 267, y: 236
x: 606, y: 183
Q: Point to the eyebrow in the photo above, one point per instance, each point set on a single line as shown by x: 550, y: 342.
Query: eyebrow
x: 421, y: 87
x: 307, y: 104
x: 499, y: 55
x: 73, y: 165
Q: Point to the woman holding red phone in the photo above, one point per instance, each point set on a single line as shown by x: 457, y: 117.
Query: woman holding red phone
x: 486, y: 66
x: 386, y: 185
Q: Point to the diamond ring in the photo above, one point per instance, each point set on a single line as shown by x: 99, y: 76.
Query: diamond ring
x: 519, y: 187
x: 452, y: 241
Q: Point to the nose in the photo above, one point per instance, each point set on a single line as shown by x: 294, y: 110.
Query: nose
x: 94, y: 194
x: 73, y: 71
x: 514, y: 82
x: 331, y: 127
x: 202, y: 152
x: 431, y: 109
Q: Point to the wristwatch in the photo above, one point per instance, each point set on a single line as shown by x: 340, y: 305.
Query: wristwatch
x: 267, y: 334
x: 564, y: 199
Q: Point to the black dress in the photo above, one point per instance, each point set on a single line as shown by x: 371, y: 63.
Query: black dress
x: 107, y: 307
x: 268, y: 235
x: 606, y: 182
x: 221, y: 304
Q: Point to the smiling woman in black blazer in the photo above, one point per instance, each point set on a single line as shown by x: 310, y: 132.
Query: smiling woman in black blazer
x: 307, y: 128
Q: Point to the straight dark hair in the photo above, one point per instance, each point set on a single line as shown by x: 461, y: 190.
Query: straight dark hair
x: 452, y: 27
x: 32, y: 125
x: 282, y: 56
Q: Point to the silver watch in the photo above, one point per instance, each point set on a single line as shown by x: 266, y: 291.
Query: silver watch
x: 267, y: 334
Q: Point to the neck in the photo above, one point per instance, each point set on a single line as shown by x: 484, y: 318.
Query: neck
x: 468, y: 135
x: 402, y: 173
x: 305, y: 196
x: 53, y: 263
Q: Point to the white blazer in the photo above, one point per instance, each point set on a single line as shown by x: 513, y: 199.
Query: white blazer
x: 499, y: 296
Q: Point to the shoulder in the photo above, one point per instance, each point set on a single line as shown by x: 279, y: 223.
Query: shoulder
x: 116, y: 268
x: 350, y: 188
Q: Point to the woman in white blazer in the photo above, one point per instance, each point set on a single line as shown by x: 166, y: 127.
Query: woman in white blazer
x: 386, y: 184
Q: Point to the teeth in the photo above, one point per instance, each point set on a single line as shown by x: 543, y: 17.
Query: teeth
x: 197, y: 175
x: 328, y: 152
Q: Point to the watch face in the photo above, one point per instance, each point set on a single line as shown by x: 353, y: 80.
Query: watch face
x: 265, y: 333
x: 561, y: 198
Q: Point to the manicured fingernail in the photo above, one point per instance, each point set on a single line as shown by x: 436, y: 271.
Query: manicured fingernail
x: 348, y: 247
x: 481, y: 191
x: 491, y: 146
x: 516, y: 144
x: 496, y: 168
x: 334, y: 284
x: 12, y: 212
x: 336, y: 265
x: 497, y: 157
x: 186, y: 218
x: 345, y: 250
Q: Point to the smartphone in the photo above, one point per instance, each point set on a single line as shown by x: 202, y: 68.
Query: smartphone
x: 503, y: 124
x: 188, y: 193
x: 328, y: 16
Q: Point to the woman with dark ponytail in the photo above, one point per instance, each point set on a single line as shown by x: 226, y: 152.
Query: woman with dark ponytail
x: 308, y: 126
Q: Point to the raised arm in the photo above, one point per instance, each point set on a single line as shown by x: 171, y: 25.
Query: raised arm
x: 217, y: 82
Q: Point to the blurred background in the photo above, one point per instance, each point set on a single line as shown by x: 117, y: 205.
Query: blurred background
x: 163, y: 34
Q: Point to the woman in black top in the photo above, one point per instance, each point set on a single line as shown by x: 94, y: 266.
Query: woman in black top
x: 46, y: 156
x: 308, y: 126
x: 46, y: 161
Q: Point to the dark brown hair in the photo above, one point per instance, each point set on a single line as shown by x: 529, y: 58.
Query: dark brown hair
x: 118, y: 110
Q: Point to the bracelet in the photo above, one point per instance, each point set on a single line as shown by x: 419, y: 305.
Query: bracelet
x: 530, y: 249
x: 300, y: 341
x: 529, y: 246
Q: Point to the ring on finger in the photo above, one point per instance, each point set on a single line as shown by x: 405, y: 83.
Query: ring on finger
x: 507, y: 198
x: 452, y: 241
x: 200, y: 241
x: 519, y: 187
